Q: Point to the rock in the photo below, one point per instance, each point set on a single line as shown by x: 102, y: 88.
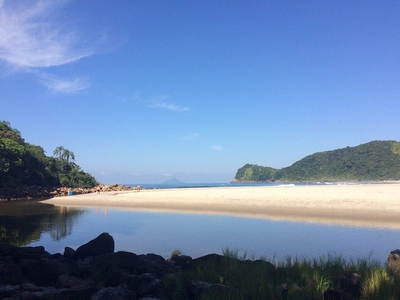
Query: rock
x: 103, y: 244
x: 118, y: 277
x: 69, y: 252
x: 116, y: 293
x: 393, y: 263
x: 7, y: 290
x: 10, y: 273
x: 46, y: 271
x: 67, y: 281
x: 77, y: 294
x: 174, y: 255
x: 149, y: 263
x: 180, y: 260
x: 149, y: 285
x: 350, y: 283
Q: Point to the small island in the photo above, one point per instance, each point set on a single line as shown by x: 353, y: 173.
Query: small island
x: 174, y: 181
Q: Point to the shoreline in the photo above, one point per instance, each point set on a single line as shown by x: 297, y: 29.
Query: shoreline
x: 365, y: 205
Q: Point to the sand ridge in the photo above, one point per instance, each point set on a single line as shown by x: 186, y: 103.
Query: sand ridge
x: 375, y: 205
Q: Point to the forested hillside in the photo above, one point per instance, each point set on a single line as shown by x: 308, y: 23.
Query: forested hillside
x: 376, y: 160
x: 22, y: 163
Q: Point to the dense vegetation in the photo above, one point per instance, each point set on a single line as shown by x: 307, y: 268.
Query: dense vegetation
x: 255, y: 173
x: 236, y: 277
x: 22, y: 163
x: 376, y: 160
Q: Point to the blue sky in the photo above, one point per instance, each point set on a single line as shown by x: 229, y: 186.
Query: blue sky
x: 142, y: 91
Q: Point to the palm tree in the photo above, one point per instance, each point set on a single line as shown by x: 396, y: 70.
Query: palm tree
x: 58, y: 152
x: 67, y: 155
x: 64, y: 154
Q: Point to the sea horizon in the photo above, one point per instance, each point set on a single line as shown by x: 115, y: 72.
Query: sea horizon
x: 249, y: 184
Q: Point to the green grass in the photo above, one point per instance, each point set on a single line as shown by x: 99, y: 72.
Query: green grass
x: 243, y: 277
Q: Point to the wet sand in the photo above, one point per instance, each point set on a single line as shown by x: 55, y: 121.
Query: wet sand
x: 371, y: 205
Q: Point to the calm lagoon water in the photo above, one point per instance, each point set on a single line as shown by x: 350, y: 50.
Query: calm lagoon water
x: 197, y: 235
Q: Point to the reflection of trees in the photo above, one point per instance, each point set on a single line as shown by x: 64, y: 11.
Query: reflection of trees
x: 22, y: 222
x: 62, y: 226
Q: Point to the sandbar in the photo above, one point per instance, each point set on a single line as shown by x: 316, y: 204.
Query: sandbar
x: 363, y: 205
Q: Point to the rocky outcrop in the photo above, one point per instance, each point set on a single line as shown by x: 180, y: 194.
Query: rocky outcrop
x: 394, y: 261
x: 41, y: 192
x: 93, y: 271
x: 103, y: 244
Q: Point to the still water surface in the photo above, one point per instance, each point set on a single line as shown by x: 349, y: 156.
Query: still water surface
x: 33, y: 224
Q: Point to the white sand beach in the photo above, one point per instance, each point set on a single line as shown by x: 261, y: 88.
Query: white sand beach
x: 375, y: 205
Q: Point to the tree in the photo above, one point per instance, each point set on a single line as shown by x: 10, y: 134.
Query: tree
x: 67, y: 155
x: 7, y: 132
x: 23, y: 163
x: 64, y: 154
x: 58, y: 152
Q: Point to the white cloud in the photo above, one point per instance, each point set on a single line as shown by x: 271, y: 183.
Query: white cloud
x: 30, y: 39
x: 216, y: 147
x: 61, y: 85
x: 159, y: 102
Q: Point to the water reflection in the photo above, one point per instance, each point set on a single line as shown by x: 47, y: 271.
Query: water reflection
x: 23, y: 222
x: 55, y: 227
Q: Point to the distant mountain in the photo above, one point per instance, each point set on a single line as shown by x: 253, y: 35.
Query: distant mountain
x: 376, y: 160
x: 173, y: 181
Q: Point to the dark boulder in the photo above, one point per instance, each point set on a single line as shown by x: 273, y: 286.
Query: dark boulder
x: 350, y: 283
x: 103, y: 244
x: 114, y: 293
x: 46, y: 271
x: 77, y: 294
x: 8, y: 290
x: 69, y: 252
x: 10, y: 273
x: 149, y: 285
x: 180, y: 260
x: 137, y: 264
x: 118, y: 277
x: 393, y: 263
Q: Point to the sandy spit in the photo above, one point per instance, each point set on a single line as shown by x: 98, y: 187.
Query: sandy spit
x: 366, y: 205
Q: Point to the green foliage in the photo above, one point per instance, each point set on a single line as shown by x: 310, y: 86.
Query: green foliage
x: 72, y: 175
x: 255, y: 173
x: 376, y: 160
x: 22, y: 163
x: 240, y: 278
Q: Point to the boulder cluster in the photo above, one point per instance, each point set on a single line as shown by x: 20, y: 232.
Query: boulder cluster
x: 94, y: 271
x: 41, y: 192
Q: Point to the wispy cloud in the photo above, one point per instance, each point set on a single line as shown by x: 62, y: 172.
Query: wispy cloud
x: 32, y: 39
x: 216, y: 147
x: 28, y: 37
x: 61, y: 85
x: 159, y: 102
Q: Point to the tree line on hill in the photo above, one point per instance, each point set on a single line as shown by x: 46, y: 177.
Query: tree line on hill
x: 373, y: 161
x: 22, y: 163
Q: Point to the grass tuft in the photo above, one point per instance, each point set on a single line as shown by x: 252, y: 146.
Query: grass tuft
x: 293, y: 278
